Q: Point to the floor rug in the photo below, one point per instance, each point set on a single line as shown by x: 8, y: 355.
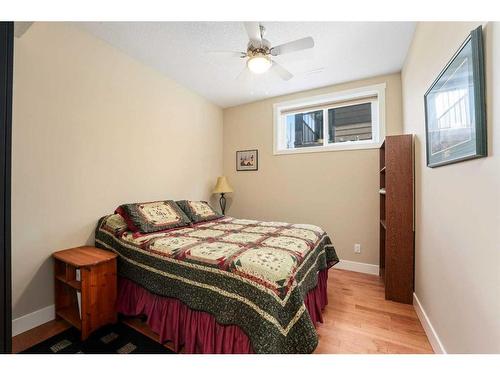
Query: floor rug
x: 111, y: 339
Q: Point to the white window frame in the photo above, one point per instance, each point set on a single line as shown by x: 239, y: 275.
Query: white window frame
x: 329, y: 100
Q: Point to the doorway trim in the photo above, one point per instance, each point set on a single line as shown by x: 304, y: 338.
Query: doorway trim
x: 6, y: 72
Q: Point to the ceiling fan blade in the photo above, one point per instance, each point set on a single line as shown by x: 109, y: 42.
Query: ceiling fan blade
x: 228, y: 53
x: 281, y: 72
x: 245, y: 75
x: 253, y: 32
x: 296, y: 45
x: 312, y: 71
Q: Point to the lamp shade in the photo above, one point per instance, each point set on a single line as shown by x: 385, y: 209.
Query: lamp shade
x: 222, y: 186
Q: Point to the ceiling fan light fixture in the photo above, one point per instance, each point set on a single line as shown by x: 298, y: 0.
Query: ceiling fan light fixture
x: 259, y: 64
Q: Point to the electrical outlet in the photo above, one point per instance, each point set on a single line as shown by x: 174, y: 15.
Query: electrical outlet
x: 357, y: 248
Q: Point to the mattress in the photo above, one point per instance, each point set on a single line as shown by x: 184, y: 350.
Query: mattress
x: 249, y: 273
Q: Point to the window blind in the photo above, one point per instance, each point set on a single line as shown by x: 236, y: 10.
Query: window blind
x: 327, y: 105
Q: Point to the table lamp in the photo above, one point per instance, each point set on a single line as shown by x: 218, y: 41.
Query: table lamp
x: 222, y: 187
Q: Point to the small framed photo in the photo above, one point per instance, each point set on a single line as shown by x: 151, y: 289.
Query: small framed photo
x: 455, y: 107
x: 247, y: 160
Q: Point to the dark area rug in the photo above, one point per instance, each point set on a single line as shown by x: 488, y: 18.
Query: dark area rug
x: 112, y: 339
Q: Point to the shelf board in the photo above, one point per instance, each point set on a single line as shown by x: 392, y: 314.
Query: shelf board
x: 382, y: 170
x: 382, y: 222
x: 71, y: 315
x: 382, y: 191
x: 71, y: 283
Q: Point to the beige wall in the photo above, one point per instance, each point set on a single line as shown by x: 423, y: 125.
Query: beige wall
x: 92, y: 129
x: 457, y: 206
x: 337, y: 190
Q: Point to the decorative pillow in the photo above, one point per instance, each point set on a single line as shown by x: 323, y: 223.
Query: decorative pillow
x: 150, y: 217
x: 198, y: 211
x: 115, y: 223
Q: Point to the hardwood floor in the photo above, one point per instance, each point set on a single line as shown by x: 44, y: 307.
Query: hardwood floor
x: 38, y: 334
x: 357, y: 319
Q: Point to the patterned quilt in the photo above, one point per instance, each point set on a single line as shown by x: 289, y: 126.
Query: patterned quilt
x: 249, y: 273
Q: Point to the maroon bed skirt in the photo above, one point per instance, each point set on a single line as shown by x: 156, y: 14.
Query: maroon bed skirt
x: 198, y: 331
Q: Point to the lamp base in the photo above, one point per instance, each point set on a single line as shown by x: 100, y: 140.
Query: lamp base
x: 222, y: 202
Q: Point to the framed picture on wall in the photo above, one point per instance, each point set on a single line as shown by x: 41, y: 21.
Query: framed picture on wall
x: 247, y: 160
x: 455, y: 109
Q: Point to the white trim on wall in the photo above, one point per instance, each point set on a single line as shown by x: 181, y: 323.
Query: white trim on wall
x: 431, y: 333
x: 372, y: 269
x: 46, y: 314
x: 36, y: 318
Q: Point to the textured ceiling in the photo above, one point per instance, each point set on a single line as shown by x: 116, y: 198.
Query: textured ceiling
x: 344, y: 51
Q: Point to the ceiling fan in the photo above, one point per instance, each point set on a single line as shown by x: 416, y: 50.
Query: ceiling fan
x: 259, y: 51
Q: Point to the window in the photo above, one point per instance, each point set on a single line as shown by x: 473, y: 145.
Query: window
x: 350, y: 119
x: 304, y: 129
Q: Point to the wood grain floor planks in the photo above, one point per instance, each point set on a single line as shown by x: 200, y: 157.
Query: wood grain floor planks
x: 357, y: 319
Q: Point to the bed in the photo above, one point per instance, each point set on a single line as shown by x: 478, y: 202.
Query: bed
x: 226, y: 285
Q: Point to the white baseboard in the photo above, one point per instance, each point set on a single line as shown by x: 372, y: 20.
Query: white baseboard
x: 431, y: 333
x: 32, y: 320
x: 372, y: 269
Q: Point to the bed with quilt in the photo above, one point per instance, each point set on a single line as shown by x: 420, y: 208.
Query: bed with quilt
x: 217, y: 284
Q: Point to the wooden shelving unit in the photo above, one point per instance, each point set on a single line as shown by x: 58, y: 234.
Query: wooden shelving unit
x: 75, y: 284
x: 396, y: 217
x: 382, y: 212
x: 71, y: 315
x: 86, y: 302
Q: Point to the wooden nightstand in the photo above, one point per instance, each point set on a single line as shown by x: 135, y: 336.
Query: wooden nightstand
x: 87, y: 301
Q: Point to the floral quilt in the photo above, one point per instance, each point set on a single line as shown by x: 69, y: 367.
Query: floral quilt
x: 249, y: 273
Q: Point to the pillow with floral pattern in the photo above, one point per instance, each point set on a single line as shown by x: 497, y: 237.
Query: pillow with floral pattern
x: 151, y: 217
x: 198, y: 211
